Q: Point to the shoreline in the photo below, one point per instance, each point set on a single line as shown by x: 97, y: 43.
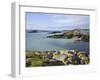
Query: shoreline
x: 56, y: 58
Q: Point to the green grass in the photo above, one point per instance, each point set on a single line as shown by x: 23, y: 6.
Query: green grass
x: 36, y: 62
x: 33, y: 60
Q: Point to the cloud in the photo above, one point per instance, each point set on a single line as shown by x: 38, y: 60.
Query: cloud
x: 69, y: 19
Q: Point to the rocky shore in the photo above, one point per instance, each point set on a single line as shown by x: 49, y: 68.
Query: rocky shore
x: 56, y: 58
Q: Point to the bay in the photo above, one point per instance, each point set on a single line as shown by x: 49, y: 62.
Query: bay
x: 39, y: 42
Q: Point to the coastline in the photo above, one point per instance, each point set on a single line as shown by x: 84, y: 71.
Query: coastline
x: 56, y: 58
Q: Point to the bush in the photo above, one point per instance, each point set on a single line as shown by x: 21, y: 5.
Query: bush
x: 69, y: 36
x: 85, y: 38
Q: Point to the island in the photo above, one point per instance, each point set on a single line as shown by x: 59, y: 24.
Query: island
x: 71, y: 34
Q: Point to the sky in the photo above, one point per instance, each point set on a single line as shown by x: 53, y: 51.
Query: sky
x: 47, y: 21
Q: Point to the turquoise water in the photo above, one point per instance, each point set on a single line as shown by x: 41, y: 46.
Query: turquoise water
x: 40, y: 42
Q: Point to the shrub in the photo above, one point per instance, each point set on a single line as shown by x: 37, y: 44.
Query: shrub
x: 85, y: 38
x: 69, y: 36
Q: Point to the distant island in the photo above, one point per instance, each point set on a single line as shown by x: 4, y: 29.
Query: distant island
x: 36, y: 31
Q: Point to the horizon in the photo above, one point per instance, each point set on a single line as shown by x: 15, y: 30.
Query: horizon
x: 55, y: 30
